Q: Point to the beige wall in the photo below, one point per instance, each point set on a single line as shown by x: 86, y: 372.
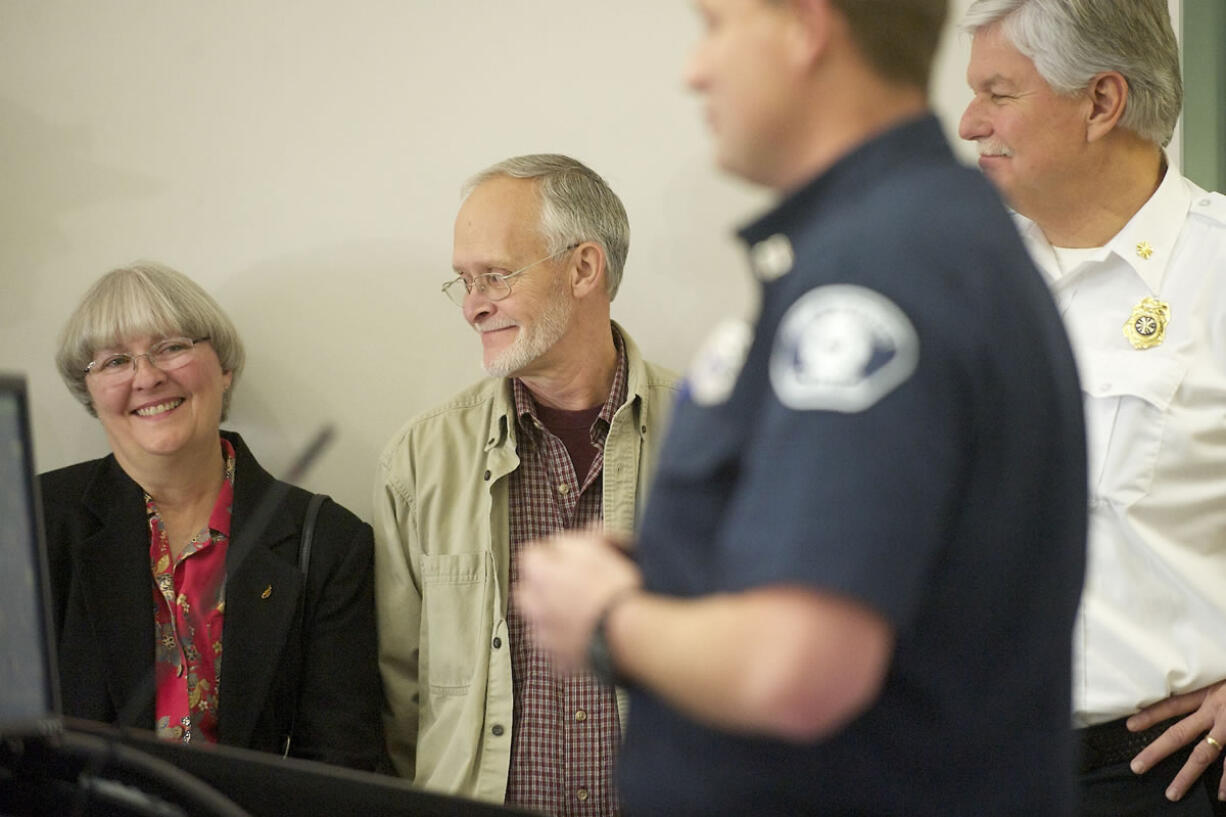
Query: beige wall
x: 301, y: 159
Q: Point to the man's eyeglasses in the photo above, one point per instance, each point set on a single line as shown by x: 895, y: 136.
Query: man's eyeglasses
x: 167, y: 355
x: 493, y: 285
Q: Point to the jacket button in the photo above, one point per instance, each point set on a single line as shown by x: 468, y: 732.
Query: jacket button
x: 497, y: 642
x: 487, y: 476
x: 497, y: 730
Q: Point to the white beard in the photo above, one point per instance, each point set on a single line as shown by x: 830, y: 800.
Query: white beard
x: 534, y: 339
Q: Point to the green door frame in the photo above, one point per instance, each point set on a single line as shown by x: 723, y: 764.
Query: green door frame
x: 1204, y: 85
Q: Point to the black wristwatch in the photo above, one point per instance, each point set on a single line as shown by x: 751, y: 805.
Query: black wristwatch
x: 599, y: 657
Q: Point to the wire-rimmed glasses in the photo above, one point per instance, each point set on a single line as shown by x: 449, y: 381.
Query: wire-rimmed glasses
x: 492, y: 285
x: 167, y: 354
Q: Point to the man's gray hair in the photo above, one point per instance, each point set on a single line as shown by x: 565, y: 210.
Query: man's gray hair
x: 1070, y: 41
x: 576, y: 205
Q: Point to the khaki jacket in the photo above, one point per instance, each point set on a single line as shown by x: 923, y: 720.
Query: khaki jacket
x: 442, y: 545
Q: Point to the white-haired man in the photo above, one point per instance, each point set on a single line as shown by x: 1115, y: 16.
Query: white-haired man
x: 561, y: 435
x: 1073, y: 103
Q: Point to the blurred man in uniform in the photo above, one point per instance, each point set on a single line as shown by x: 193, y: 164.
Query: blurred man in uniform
x: 859, y: 567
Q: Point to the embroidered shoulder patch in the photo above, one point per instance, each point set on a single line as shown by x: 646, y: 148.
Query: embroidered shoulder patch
x: 841, y: 348
x: 716, y: 367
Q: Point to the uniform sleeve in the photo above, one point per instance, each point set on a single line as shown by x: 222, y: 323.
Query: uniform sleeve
x: 851, y: 471
x: 398, y: 609
x: 339, y: 701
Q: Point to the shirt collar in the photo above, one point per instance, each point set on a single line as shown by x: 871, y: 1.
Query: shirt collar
x: 223, y: 506
x: 525, y: 406
x: 219, y: 520
x: 877, y: 158
x: 1146, y: 243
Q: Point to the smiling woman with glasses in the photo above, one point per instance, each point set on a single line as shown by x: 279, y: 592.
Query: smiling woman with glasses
x: 160, y: 567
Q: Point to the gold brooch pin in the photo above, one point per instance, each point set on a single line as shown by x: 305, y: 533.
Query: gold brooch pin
x: 1146, y: 326
x: 1145, y: 250
x: 267, y: 592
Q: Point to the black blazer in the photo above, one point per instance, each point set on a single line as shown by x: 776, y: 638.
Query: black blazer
x: 319, y: 673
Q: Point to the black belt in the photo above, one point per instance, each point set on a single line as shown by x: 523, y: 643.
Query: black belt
x: 1107, y: 744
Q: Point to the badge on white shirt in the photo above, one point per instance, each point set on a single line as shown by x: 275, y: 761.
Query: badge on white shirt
x: 1146, y: 326
x: 842, y: 348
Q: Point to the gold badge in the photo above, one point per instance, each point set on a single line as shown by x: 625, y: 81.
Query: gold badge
x: 1146, y: 326
x: 267, y: 592
x: 1145, y: 250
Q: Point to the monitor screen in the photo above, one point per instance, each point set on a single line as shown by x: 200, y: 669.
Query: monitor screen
x: 27, y: 676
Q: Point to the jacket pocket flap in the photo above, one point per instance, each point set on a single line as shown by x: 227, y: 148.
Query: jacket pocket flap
x: 453, y: 568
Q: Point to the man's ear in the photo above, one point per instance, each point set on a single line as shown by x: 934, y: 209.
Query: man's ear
x: 812, y: 20
x: 1108, y: 94
x: 587, y: 272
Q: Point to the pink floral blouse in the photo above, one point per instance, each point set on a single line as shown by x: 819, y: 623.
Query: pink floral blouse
x: 188, y: 610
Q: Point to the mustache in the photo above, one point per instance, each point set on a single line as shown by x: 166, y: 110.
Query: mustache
x: 493, y: 325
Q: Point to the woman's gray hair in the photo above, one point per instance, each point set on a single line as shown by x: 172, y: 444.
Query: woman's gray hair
x: 576, y: 205
x: 1070, y: 41
x: 144, y: 298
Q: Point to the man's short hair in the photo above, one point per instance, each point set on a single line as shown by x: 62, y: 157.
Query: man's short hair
x: 576, y: 205
x: 898, y: 38
x: 1070, y: 41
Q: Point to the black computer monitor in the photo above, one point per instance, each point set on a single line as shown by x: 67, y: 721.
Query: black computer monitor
x: 29, y: 688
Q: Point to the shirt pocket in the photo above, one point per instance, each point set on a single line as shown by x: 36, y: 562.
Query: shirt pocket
x: 456, y: 598
x: 1128, y: 396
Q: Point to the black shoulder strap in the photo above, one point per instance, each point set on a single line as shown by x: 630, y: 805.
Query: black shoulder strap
x: 308, y: 532
x: 304, y: 565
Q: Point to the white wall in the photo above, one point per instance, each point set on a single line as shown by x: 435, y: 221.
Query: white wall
x: 301, y: 159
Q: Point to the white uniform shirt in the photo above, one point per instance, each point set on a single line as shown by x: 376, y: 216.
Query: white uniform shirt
x: 1153, y: 616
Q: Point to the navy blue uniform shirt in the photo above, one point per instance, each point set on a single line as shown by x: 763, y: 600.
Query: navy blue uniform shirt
x: 905, y: 430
